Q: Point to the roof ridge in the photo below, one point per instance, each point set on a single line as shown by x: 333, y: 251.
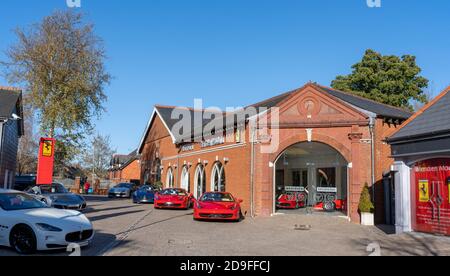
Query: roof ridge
x: 10, y: 88
x: 274, y: 97
x: 422, y: 110
x: 363, y: 98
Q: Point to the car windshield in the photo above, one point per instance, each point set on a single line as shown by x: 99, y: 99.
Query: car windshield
x: 175, y: 192
x: 217, y: 197
x: 146, y: 188
x: 19, y: 201
x: 124, y: 185
x: 53, y: 189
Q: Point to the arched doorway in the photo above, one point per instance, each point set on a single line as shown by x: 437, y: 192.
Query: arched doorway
x: 218, y: 180
x: 199, y: 181
x: 311, y: 176
x: 169, y: 179
x: 185, y: 179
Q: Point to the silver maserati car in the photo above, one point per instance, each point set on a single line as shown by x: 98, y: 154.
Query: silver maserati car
x: 57, y: 196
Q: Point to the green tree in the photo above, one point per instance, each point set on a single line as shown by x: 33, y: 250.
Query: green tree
x: 60, y: 62
x: 391, y: 80
x: 365, y: 202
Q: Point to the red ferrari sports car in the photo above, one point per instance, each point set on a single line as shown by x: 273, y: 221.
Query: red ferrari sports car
x: 218, y: 206
x: 291, y: 201
x: 336, y: 205
x: 173, y: 199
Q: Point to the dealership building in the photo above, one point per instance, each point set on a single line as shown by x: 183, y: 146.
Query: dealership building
x: 324, y: 142
x: 421, y: 148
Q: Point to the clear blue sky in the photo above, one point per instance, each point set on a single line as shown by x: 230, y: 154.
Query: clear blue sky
x: 236, y: 52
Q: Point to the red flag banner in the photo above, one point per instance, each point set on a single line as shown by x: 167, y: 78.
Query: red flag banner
x: 46, y: 159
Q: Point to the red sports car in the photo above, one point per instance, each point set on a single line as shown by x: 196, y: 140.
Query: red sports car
x: 173, y: 199
x: 336, y: 205
x: 218, y: 206
x: 291, y: 201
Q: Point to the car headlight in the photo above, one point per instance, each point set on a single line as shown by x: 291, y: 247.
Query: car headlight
x: 48, y: 228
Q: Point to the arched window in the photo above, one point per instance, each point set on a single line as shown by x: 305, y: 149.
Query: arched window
x: 157, y: 171
x: 169, y: 179
x: 199, y: 181
x: 185, y: 179
x: 218, y: 181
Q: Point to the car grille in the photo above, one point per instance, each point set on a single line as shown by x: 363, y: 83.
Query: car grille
x: 219, y: 216
x: 169, y: 205
x: 79, y: 236
x: 79, y: 207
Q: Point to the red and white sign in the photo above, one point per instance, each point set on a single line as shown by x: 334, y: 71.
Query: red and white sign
x: 431, y: 183
x: 46, y: 159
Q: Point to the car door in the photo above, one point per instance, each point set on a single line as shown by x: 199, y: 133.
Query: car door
x: 7, y: 222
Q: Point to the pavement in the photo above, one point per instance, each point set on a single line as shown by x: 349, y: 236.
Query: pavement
x: 123, y: 228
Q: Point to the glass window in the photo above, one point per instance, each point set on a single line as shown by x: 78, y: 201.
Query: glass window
x: 217, y: 197
x: 200, y: 181
x: 218, y: 178
x: 169, y: 180
x: 19, y: 201
x: 185, y: 179
x: 53, y: 189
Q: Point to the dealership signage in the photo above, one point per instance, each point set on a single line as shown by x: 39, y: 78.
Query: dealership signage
x: 213, y: 142
x: 189, y: 147
x: 326, y: 190
x: 46, y: 159
x: 294, y: 189
x: 432, y: 203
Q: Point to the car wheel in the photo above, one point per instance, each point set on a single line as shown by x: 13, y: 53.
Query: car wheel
x: 329, y: 206
x: 23, y: 240
x: 241, y: 216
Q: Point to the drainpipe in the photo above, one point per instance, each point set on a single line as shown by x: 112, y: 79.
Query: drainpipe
x: 252, y: 171
x: 2, y: 135
x: 372, y: 153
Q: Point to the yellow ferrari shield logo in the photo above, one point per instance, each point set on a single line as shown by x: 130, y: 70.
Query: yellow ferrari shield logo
x: 47, y: 149
x: 424, y: 191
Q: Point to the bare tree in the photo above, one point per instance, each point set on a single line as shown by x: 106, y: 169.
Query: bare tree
x: 29, y: 143
x: 97, y: 156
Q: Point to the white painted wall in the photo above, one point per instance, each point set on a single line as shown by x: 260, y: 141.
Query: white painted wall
x: 403, y: 204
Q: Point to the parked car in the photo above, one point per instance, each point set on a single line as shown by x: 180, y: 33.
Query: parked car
x: 145, y: 194
x: 291, y: 200
x: 122, y: 190
x: 24, y: 182
x: 173, y: 198
x: 28, y: 225
x: 57, y: 196
x: 218, y: 206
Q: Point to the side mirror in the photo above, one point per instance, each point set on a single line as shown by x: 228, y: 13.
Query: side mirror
x: 240, y: 201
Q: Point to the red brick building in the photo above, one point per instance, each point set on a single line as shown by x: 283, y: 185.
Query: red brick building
x: 322, y: 141
x: 125, y: 168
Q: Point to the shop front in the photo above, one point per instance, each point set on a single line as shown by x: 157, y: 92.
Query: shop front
x: 422, y: 170
x: 325, y: 146
x: 311, y: 176
x: 431, y: 201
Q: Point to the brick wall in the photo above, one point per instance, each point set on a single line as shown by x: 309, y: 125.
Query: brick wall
x: 382, y: 164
